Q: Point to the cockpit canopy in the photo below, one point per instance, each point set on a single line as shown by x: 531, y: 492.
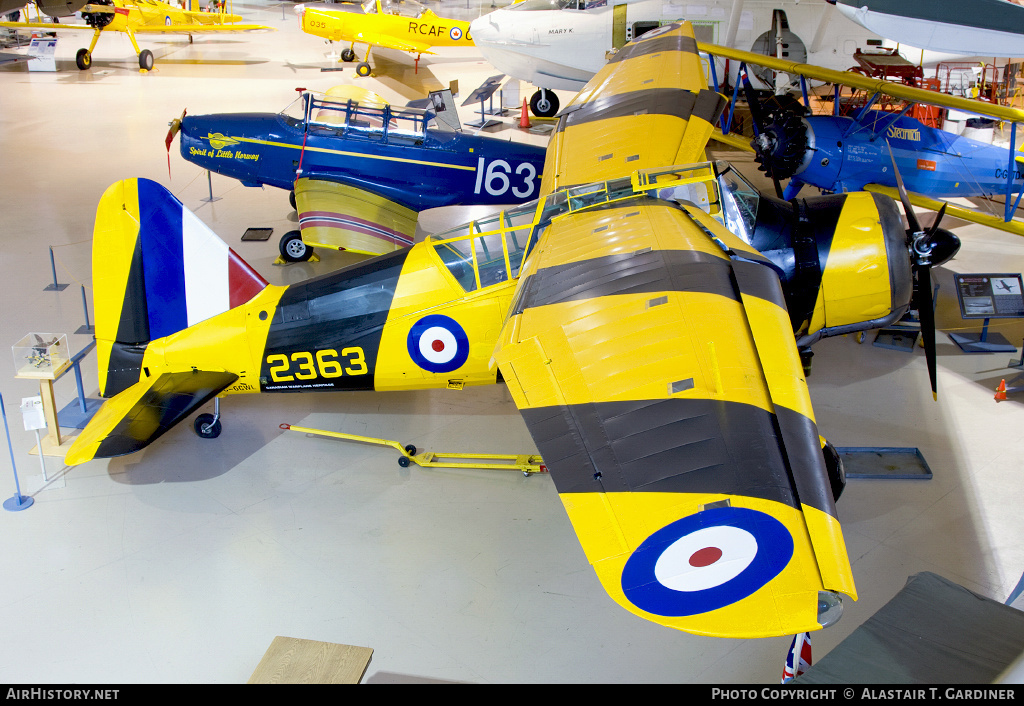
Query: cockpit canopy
x: 404, y: 8
x: 350, y: 111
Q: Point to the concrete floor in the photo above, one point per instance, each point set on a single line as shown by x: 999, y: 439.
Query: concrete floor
x: 181, y: 563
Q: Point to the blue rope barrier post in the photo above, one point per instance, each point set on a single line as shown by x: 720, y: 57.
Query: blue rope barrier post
x: 53, y: 268
x: 19, y: 501
x: 88, y: 327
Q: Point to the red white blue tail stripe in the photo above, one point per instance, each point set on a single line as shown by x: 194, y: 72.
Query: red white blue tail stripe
x: 190, y: 274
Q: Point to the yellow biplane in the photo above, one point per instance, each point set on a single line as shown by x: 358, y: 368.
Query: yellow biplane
x: 134, y: 17
x: 655, y: 355
x: 393, y: 24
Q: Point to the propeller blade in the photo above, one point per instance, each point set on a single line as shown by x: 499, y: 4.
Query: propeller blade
x: 760, y: 119
x: 926, y: 312
x: 908, y: 209
x: 175, y: 126
x: 938, y: 219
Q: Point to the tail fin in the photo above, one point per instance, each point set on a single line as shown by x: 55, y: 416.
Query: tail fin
x: 157, y: 269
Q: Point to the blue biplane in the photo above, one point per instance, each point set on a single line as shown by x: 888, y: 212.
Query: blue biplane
x: 360, y: 170
x: 863, y: 149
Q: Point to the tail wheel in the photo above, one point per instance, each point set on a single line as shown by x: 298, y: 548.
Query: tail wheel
x: 362, y: 69
x: 544, y: 103
x: 146, y: 60
x: 293, y: 249
x: 84, y: 59
x: 207, y: 426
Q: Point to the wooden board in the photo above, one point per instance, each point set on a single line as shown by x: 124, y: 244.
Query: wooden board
x: 291, y: 660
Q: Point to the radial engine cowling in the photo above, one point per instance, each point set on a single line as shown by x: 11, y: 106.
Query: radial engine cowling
x: 844, y: 259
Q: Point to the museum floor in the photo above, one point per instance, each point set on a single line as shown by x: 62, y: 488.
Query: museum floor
x: 182, y: 563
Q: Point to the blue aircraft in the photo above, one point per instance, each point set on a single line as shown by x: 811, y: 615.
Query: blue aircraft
x: 838, y: 154
x: 863, y: 150
x: 360, y: 170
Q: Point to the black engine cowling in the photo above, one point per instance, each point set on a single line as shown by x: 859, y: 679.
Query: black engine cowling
x: 843, y: 259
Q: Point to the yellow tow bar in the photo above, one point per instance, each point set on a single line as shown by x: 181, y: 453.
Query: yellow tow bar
x: 502, y: 462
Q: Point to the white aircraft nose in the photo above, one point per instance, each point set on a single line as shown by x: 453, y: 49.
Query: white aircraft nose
x: 486, y: 28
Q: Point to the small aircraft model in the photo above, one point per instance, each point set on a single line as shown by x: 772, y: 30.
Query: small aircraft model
x: 984, y: 28
x: 134, y: 17
x: 561, y: 44
x: 859, y: 151
x: 392, y: 24
x: 360, y: 170
x: 655, y: 356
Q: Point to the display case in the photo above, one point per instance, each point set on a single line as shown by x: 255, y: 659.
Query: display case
x: 41, y: 355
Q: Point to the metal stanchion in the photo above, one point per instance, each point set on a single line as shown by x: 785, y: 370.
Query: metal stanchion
x: 55, y: 287
x: 19, y: 501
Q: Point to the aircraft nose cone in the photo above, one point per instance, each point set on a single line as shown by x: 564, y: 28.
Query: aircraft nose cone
x: 944, y: 246
x: 486, y: 28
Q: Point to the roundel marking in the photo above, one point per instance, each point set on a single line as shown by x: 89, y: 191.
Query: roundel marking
x: 706, y: 561
x: 455, y: 33
x: 438, y: 344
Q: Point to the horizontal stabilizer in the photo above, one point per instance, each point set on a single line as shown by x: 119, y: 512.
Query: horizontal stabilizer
x: 136, y: 417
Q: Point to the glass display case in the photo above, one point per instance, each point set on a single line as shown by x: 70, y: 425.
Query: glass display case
x: 41, y: 355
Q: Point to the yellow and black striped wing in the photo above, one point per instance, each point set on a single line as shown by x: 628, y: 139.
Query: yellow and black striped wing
x: 649, y: 106
x: 656, y: 369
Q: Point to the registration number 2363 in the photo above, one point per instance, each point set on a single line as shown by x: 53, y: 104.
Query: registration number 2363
x: 308, y: 365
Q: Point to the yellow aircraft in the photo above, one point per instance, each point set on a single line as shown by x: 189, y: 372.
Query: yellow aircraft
x: 141, y: 17
x: 655, y: 355
x: 392, y: 24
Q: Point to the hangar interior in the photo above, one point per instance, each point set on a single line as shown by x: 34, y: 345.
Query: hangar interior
x: 182, y: 563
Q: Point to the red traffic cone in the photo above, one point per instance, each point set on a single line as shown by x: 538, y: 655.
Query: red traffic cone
x: 1001, y: 390
x: 524, y: 118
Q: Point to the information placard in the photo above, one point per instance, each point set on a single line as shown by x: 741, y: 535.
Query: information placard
x: 42, y: 50
x: 990, y: 295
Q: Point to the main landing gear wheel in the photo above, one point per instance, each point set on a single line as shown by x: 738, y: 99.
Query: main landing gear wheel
x: 146, y: 60
x: 348, y: 55
x: 207, y: 426
x: 84, y: 59
x: 362, y: 69
x: 291, y: 200
x: 293, y: 249
x: 544, y: 103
